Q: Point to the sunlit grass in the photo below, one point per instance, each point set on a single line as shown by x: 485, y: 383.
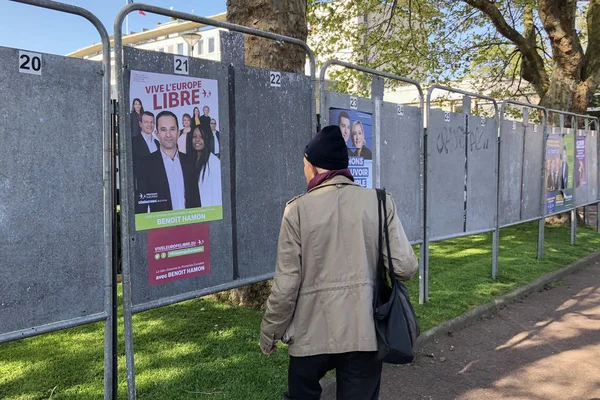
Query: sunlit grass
x: 201, y: 349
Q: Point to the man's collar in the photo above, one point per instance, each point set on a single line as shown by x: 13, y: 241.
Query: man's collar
x: 336, y: 180
x: 166, y: 157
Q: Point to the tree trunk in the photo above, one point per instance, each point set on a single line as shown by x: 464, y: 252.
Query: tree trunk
x: 566, y: 93
x: 284, y: 17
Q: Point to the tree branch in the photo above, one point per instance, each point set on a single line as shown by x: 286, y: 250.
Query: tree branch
x: 539, y: 77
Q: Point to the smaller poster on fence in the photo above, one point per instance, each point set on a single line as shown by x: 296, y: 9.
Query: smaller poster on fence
x: 178, y: 252
x: 357, y: 130
x: 580, y: 170
x: 560, y: 161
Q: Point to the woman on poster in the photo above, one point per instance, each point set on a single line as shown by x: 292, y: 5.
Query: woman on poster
x: 207, y: 169
x: 195, y: 117
x: 137, y: 109
x: 358, y: 141
x: 183, y: 144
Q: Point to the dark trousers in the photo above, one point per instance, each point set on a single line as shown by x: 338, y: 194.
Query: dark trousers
x: 358, y: 376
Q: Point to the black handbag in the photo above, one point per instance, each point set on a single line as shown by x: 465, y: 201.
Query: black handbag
x: 396, y: 324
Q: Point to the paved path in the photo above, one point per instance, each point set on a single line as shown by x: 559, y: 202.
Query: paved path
x: 545, y: 347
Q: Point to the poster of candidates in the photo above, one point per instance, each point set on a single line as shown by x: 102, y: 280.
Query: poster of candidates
x: 560, y: 161
x: 175, y: 149
x: 357, y: 130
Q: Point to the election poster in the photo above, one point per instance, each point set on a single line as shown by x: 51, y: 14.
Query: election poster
x: 176, y: 150
x: 357, y: 130
x: 560, y: 162
x: 177, y: 253
x: 580, y: 170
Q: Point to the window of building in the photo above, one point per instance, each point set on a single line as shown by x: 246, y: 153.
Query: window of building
x: 180, y: 49
x: 162, y: 49
x: 211, y: 45
x: 200, y: 47
x: 170, y: 49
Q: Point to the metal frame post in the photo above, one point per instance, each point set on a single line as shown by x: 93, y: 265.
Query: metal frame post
x: 496, y: 230
x: 542, y: 219
x: 125, y: 145
x: 423, y: 255
x: 110, y: 366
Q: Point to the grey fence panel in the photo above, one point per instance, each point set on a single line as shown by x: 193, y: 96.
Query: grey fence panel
x: 273, y: 127
x: 532, y: 172
x: 341, y: 100
x: 482, y: 151
x: 446, y: 173
x: 400, y: 141
x: 221, y: 267
x: 512, y: 135
x: 582, y: 195
x: 51, y: 192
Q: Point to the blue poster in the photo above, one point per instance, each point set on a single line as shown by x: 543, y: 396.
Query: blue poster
x: 357, y: 130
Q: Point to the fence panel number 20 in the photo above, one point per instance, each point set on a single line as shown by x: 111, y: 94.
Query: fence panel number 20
x: 30, y: 63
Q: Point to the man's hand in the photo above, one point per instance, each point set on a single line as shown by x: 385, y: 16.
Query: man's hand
x: 268, y: 352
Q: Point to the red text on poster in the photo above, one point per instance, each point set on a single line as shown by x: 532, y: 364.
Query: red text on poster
x: 178, y: 252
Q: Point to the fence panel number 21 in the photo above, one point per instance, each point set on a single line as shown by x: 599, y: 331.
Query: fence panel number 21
x: 181, y: 65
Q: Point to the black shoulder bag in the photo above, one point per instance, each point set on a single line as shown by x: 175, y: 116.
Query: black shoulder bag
x: 396, y: 324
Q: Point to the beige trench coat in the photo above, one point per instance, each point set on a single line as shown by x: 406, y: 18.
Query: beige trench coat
x: 322, y: 296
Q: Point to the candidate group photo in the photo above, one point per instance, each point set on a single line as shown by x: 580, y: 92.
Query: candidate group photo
x: 176, y: 151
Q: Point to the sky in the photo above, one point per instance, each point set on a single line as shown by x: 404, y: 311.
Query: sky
x: 47, y: 31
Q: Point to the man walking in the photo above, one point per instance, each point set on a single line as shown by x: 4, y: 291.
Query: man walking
x: 321, y: 302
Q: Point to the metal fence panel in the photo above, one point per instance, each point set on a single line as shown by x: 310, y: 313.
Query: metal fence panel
x: 512, y: 136
x: 532, y: 172
x: 273, y: 128
x: 592, y: 165
x: 51, y: 191
x: 582, y: 195
x: 401, y: 135
x: 482, y: 146
x: 220, y: 237
x: 446, y: 173
x: 585, y: 164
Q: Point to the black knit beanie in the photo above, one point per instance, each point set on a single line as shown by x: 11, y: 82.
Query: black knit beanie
x: 328, y: 149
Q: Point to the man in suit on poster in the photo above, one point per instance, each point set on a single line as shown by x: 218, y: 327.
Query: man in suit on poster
x: 144, y: 144
x: 564, y: 170
x: 168, y: 181
x: 216, y: 139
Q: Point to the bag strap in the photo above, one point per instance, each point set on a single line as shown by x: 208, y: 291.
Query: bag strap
x: 381, y: 204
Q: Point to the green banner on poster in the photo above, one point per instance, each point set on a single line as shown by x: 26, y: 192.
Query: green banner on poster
x: 177, y: 217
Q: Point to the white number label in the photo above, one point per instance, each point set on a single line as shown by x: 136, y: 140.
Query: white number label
x: 514, y: 125
x: 535, y: 128
x: 447, y: 116
x: 482, y: 121
x: 400, y: 110
x: 353, y: 103
x: 275, y: 78
x: 181, y: 65
x: 30, y: 63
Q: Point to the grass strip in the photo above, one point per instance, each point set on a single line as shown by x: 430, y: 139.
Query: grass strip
x: 202, y: 349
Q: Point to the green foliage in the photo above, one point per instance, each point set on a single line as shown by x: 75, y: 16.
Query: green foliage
x: 441, y: 41
x: 202, y: 349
